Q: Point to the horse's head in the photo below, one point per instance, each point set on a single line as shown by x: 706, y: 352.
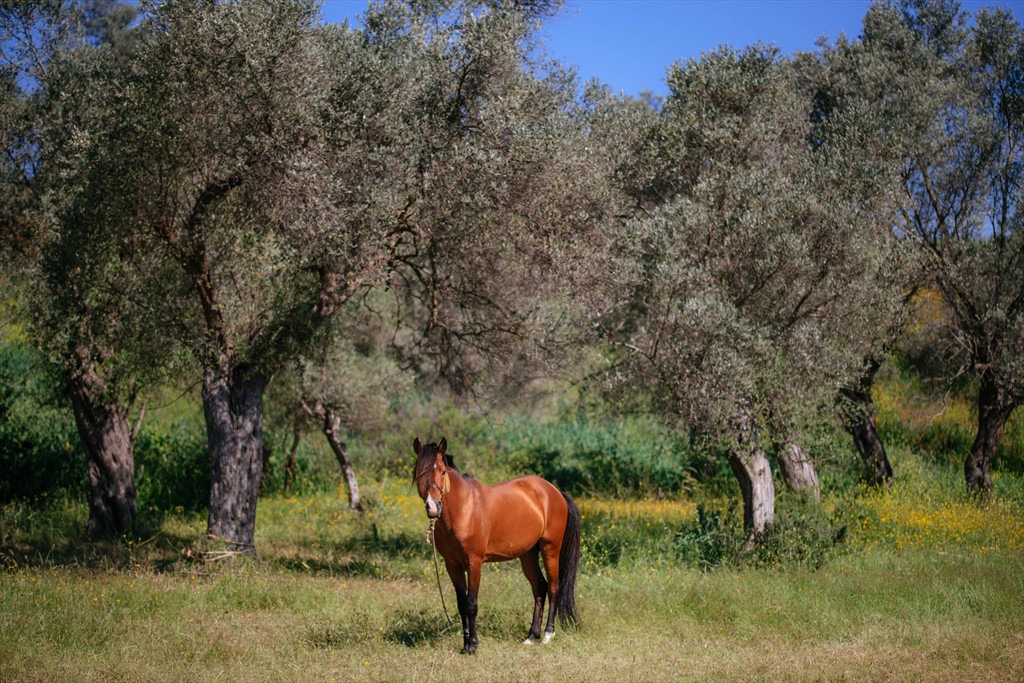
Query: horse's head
x: 431, y: 474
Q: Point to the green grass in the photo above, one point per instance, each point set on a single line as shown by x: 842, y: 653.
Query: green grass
x: 923, y: 616
x: 345, y: 596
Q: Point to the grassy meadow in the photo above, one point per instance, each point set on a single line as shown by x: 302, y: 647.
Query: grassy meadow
x: 914, y: 583
x: 922, y: 589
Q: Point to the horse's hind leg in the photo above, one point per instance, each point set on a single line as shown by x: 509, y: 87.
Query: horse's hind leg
x: 551, y: 551
x: 531, y: 568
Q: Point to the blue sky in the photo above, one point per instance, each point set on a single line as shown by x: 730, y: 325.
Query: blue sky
x: 629, y: 43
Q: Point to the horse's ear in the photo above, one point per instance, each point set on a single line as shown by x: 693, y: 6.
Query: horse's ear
x: 417, y: 446
x: 443, y: 446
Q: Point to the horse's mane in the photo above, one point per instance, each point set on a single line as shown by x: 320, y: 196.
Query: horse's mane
x: 427, y: 458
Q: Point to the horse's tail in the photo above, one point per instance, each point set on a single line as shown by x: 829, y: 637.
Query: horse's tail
x: 568, y: 565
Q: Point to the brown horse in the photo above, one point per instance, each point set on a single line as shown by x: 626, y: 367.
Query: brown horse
x: 525, y: 518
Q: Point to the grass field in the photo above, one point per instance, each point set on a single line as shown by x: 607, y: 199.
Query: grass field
x: 925, y: 589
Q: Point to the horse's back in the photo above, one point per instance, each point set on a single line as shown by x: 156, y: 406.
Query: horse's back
x: 522, y: 512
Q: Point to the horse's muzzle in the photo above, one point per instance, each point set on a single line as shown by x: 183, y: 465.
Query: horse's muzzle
x: 437, y: 507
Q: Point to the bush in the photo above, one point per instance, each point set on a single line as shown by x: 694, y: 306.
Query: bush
x: 1010, y: 454
x: 39, y: 446
x: 473, y: 441
x: 801, y: 534
x: 714, y: 539
x: 624, y: 458
x: 172, y: 466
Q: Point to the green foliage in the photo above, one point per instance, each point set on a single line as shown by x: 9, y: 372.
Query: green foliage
x: 759, y: 274
x: 802, y: 534
x: 1010, y: 455
x: 840, y: 468
x: 940, y: 428
x: 172, y: 466
x: 110, y: 23
x: 714, y: 538
x: 620, y: 458
x: 474, y: 446
x: 40, y: 451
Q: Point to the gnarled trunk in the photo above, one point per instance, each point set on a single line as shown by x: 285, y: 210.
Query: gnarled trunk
x: 994, y: 411
x: 332, y: 427
x: 233, y: 405
x: 858, y: 415
x: 750, y: 465
x: 107, y: 439
x: 797, y: 469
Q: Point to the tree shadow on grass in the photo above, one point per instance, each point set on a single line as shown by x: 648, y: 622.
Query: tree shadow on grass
x: 411, y: 628
x: 49, y: 540
x: 52, y: 545
x: 365, y: 555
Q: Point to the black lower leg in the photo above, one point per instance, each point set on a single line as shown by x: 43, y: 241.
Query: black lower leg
x: 540, y: 593
x: 470, y: 635
x: 462, y: 599
x: 550, y: 630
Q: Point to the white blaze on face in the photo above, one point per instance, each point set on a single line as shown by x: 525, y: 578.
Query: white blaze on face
x: 433, y: 506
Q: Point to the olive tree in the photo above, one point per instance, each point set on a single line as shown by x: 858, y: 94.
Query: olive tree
x: 747, y: 279
x: 269, y: 168
x: 853, y: 122
x: 957, y: 93
x: 70, y: 274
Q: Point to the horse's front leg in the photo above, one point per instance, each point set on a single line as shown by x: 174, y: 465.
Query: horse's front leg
x: 458, y: 576
x: 469, y: 635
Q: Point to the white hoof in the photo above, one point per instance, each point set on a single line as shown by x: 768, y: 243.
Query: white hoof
x: 528, y: 641
x: 547, y: 638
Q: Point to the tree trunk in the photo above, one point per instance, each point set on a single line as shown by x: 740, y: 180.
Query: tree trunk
x: 858, y: 416
x: 750, y: 465
x: 993, y: 412
x: 265, y: 468
x: 107, y: 439
x: 233, y: 405
x: 289, y: 468
x: 332, y: 426
x: 797, y: 469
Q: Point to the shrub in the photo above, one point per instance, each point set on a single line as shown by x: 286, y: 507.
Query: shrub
x: 624, y: 458
x: 801, y: 534
x: 172, y: 466
x: 39, y: 446
x: 713, y: 539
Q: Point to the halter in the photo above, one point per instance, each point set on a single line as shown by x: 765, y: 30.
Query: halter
x: 447, y: 485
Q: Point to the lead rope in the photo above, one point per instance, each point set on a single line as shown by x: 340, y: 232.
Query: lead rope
x: 437, y: 573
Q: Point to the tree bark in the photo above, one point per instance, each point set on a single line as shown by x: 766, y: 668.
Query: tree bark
x: 265, y: 468
x: 858, y: 415
x: 107, y: 439
x: 289, y: 468
x: 233, y: 405
x: 797, y: 469
x: 750, y: 465
x: 332, y: 427
x: 994, y: 411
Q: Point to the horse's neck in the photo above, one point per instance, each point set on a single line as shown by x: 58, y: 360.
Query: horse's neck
x: 461, y: 486
x: 459, y: 496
